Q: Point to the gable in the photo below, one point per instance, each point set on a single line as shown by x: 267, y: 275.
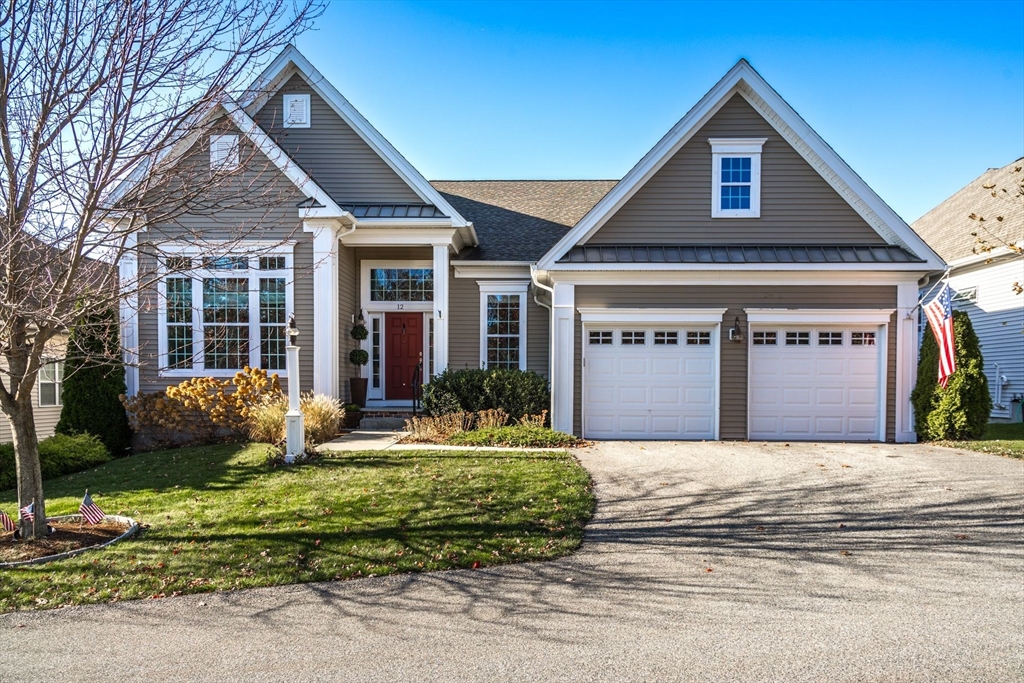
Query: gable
x: 332, y: 152
x: 797, y: 205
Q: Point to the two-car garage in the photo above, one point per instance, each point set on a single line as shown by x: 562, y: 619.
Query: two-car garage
x: 811, y: 375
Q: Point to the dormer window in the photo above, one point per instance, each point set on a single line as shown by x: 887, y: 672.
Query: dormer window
x: 736, y: 177
x: 296, y: 111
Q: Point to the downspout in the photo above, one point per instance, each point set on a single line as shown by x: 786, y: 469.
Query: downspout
x: 551, y: 325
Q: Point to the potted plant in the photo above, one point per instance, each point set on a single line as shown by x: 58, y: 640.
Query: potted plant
x: 359, y: 358
x: 353, y: 415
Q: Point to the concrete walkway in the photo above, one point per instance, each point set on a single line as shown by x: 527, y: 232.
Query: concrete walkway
x: 704, y: 562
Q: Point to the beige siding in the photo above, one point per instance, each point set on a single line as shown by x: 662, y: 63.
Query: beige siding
x: 797, y: 205
x: 348, y: 302
x: 270, y: 216
x: 464, y: 328
x: 332, y: 153
x: 46, y: 419
x: 733, y: 375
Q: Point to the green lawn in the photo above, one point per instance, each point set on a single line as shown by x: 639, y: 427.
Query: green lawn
x: 220, y: 518
x: 1002, y: 439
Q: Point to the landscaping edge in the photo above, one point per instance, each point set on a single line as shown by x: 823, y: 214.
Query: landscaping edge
x: 133, y: 528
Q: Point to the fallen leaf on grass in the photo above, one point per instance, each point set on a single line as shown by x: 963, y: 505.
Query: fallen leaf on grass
x: 476, y: 564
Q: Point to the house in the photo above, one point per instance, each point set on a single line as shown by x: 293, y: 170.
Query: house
x: 741, y: 281
x: 983, y: 269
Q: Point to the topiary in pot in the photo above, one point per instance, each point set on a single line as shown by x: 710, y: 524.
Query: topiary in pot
x: 357, y: 385
x: 359, y: 332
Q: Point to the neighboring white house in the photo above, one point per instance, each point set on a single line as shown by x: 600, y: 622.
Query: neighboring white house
x: 984, y: 281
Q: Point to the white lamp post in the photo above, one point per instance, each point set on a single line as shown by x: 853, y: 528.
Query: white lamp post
x: 295, y: 427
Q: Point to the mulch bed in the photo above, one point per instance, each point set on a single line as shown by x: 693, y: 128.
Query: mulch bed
x: 66, y: 537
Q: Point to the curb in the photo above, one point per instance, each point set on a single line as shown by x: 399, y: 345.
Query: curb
x: 133, y: 528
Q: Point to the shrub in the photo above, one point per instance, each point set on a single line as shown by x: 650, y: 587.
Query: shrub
x: 58, y: 455
x: 438, y: 429
x: 516, y: 392
x: 486, y: 419
x: 962, y: 409
x: 323, y: 416
x: 202, y: 409
x: 516, y: 436
x: 93, y: 383
x: 534, y: 420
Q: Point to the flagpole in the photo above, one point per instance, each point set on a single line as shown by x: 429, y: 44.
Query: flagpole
x: 81, y: 517
x: 944, y: 278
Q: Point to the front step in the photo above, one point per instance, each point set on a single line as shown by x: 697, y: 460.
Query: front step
x: 381, y: 424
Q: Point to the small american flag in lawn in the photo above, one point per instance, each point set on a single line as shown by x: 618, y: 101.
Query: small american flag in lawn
x: 940, y: 318
x: 28, y: 512
x: 90, y: 510
x: 7, y: 522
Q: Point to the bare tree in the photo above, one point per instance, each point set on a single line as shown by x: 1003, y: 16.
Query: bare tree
x: 93, y: 94
x: 992, y: 233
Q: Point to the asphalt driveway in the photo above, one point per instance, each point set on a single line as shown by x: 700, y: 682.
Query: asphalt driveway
x: 715, y: 561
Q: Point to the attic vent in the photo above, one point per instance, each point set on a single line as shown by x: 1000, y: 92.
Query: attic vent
x: 296, y: 111
x: 223, y: 152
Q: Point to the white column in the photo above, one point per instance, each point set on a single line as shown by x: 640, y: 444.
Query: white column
x: 906, y: 359
x: 128, y: 271
x: 325, y: 306
x: 440, y: 308
x: 563, y: 311
x: 295, y: 432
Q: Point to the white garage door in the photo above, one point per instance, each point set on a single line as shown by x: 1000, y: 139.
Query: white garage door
x: 649, y: 382
x: 815, y: 383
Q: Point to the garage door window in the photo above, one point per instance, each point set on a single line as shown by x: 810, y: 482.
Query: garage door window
x: 698, y: 338
x: 634, y: 337
x: 830, y: 339
x: 662, y: 338
x: 766, y: 338
x: 601, y: 338
x: 798, y: 339
x: 862, y: 338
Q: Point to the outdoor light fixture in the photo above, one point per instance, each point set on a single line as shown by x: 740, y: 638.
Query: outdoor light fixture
x: 293, y: 329
x: 736, y: 332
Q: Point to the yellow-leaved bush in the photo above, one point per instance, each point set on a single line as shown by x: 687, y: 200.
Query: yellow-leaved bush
x: 201, y: 409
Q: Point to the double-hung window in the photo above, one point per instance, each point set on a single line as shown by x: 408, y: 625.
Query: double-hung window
x: 51, y: 379
x: 503, y: 325
x: 736, y: 177
x: 219, y: 314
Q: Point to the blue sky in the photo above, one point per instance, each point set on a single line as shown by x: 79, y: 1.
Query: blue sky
x: 918, y: 97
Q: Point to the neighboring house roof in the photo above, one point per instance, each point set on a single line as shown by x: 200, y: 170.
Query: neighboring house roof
x: 739, y: 254
x: 947, y: 228
x: 744, y: 80
x: 520, y: 220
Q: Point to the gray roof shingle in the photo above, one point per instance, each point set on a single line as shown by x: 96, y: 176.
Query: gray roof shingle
x: 947, y: 228
x: 520, y: 220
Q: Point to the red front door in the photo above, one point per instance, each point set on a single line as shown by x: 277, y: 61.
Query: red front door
x: 403, y: 351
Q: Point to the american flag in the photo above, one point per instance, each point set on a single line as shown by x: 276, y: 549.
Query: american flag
x: 7, y: 522
x: 940, y: 318
x: 90, y: 510
x: 28, y: 513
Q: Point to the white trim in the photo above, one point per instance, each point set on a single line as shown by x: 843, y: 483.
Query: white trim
x: 736, y: 148
x: 326, y: 304
x: 906, y: 360
x: 368, y: 306
x: 477, y: 272
x: 743, y: 79
x: 128, y: 272
x: 405, y: 237
x: 509, y: 288
x: 58, y: 382
x: 290, y: 55
x: 819, y: 316
x: 286, y: 119
x: 196, y: 275
x: 563, y: 341
x: 900, y: 267
x: 652, y: 315
x: 441, y: 308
